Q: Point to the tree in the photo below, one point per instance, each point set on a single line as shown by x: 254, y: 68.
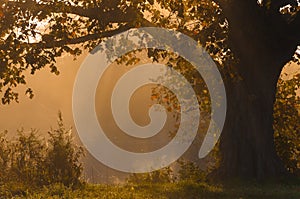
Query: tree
x: 251, y: 41
x: 263, y: 42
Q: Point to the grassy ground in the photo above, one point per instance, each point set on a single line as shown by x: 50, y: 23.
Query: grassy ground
x: 184, y: 190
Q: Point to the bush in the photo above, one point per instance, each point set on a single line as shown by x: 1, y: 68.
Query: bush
x: 189, y: 171
x: 163, y: 175
x: 5, y: 154
x: 29, y: 162
x: 27, y: 159
x: 63, y: 157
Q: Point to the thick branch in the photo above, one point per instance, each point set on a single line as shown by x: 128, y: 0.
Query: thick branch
x: 250, y: 14
x: 78, y: 40
x: 294, y: 28
x: 100, y: 13
x: 85, y: 38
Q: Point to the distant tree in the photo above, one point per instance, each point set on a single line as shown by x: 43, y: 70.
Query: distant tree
x: 286, y: 123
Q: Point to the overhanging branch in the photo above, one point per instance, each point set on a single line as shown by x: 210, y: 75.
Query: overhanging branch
x: 86, y: 38
x: 113, y: 15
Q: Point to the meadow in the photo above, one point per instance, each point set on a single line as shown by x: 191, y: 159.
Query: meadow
x: 178, y: 190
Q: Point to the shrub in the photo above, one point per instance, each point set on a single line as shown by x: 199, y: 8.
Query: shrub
x: 29, y: 162
x: 27, y: 158
x: 163, y: 175
x: 5, y: 154
x: 63, y: 157
x: 189, y: 171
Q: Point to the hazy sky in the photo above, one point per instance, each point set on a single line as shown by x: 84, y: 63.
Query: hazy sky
x: 54, y: 93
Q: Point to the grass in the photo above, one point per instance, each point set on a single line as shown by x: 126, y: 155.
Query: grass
x: 180, y: 190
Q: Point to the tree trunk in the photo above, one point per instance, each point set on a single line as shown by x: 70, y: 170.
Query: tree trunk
x: 247, y: 143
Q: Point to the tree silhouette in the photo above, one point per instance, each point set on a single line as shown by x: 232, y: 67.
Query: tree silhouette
x: 263, y: 41
x: 251, y: 41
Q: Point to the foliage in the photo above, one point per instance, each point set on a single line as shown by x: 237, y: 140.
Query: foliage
x: 163, y: 175
x: 70, y: 26
x: 286, y: 123
x: 36, y: 159
x: 29, y: 161
x: 189, y: 171
x: 63, y: 157
x: 4, y: 156
x: 35, y: 33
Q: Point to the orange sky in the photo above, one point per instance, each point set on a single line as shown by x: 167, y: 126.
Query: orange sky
x: 52, y: 93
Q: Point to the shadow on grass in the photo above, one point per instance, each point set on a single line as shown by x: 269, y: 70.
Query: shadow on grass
x: 178, y: 190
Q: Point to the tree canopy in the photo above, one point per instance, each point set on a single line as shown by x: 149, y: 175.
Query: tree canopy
x: 249, y: 40
x: 35, y: 32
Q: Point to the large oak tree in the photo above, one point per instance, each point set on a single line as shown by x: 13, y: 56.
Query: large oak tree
x: 263, y: 41
x: 251, y: 42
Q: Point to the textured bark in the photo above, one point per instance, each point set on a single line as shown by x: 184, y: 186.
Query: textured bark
x: 247, y: 144
x: 262, y: 47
